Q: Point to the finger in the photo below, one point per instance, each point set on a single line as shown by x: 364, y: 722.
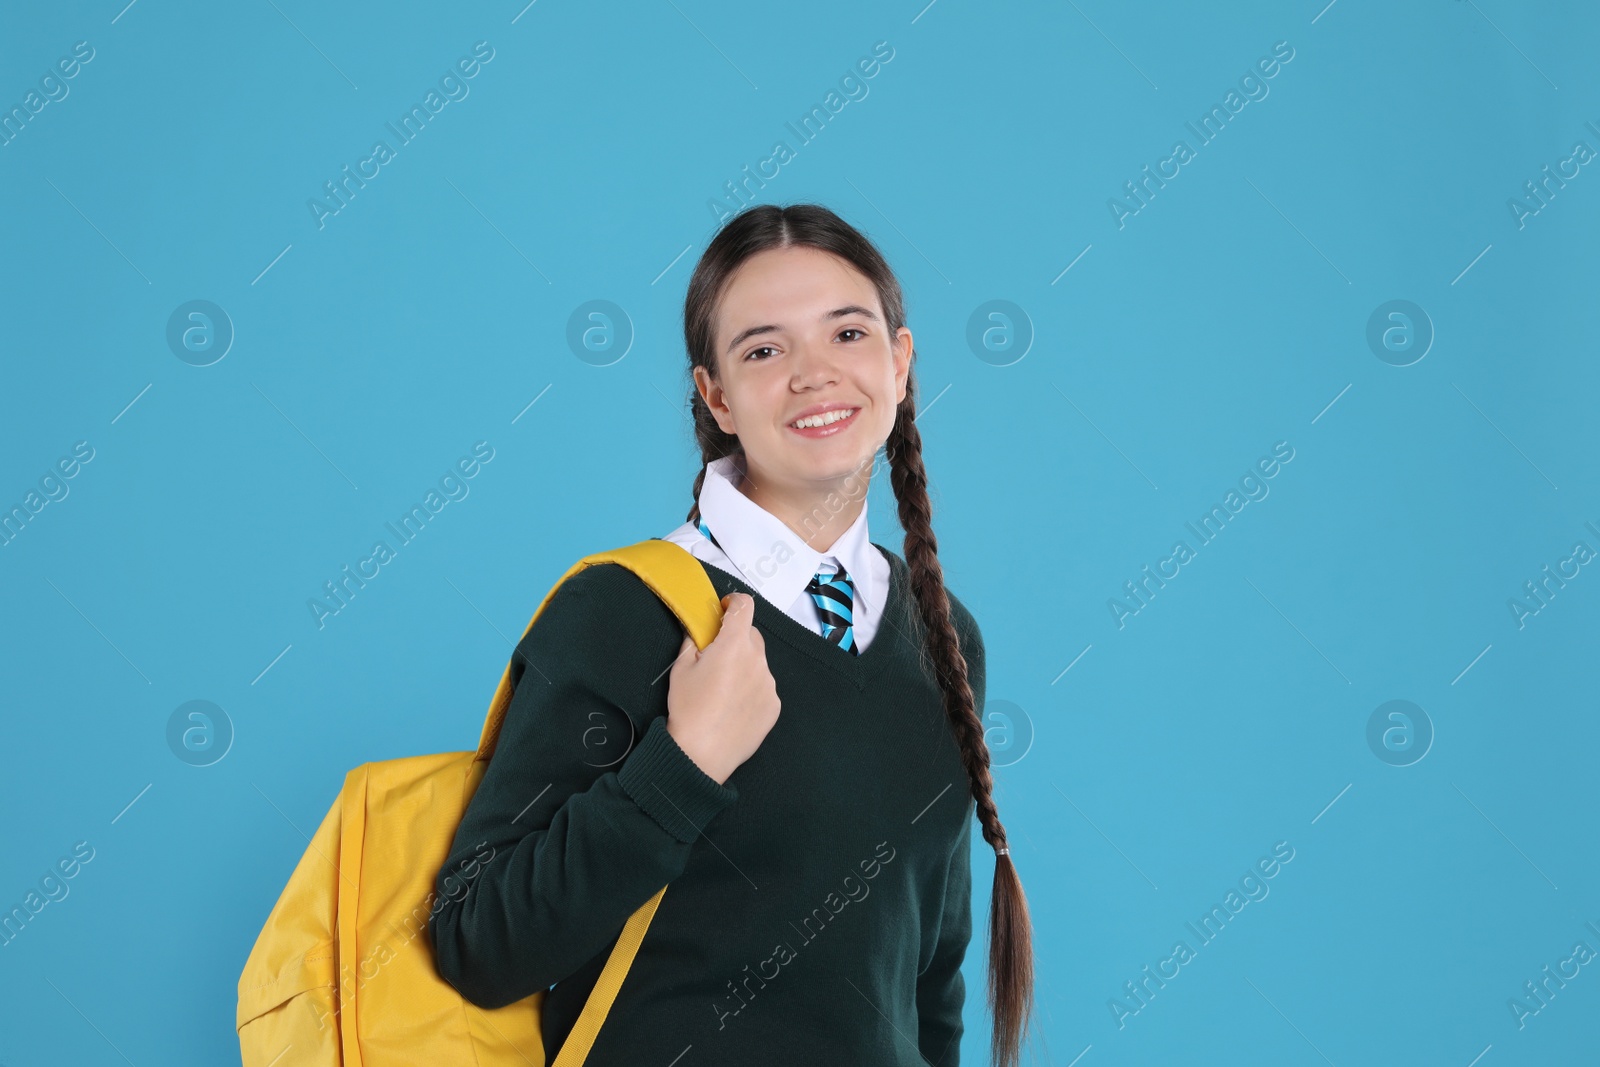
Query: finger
x: 738, y: 608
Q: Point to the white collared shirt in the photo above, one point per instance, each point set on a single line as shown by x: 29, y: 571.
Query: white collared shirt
x: 773, y: 560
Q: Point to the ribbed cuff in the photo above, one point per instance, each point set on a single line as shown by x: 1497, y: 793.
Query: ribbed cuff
x: 670, y: 787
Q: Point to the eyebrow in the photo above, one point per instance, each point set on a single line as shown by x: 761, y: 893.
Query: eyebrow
x: 836, y: 313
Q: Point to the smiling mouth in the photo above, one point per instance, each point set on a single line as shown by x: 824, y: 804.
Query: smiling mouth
x: 825, y: 423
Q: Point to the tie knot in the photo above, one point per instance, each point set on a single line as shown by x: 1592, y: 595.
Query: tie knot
x: 839, y: 579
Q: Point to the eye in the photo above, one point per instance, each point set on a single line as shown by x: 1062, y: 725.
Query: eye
x: 750, y: 354
x: 852, y: 329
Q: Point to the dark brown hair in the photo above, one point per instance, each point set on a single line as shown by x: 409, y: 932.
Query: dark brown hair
x: 767, y: 226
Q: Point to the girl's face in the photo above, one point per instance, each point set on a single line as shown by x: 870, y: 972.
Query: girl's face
x: 799, y: 329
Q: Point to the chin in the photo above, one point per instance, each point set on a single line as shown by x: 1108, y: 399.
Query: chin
x: 842, y: 465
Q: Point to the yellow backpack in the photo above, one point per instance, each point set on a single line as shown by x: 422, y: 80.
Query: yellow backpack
x: 343, y: 975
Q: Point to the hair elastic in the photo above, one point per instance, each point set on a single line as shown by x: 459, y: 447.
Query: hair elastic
x: 1002, y: 852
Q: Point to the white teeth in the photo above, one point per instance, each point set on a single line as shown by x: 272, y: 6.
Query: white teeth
x: 822, y: 420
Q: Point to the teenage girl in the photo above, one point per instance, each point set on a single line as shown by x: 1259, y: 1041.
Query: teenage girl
x: 805, y: 786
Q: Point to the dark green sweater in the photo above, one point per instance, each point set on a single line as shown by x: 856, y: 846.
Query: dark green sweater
x: 818, y: 904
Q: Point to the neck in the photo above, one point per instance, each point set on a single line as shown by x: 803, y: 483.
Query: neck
x: 817, y: 512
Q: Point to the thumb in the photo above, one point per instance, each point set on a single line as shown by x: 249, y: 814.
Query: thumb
x: 687, y: 649
x: 738, y: 609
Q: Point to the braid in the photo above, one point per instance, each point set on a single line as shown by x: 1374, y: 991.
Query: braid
x: 1010, y: 961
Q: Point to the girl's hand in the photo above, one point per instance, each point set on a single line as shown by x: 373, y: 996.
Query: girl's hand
x: 722, y: 702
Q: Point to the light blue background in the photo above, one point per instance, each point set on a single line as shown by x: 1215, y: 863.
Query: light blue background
x: 1229, y: 314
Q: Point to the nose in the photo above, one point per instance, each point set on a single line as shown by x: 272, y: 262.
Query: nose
x: 814, y: 366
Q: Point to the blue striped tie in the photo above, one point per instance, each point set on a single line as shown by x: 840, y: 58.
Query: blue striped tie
x: 834, y: 595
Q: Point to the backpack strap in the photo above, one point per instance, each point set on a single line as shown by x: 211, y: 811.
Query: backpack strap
x: 587, y: 1027
x: 669, y: 570
x: 681, y: 582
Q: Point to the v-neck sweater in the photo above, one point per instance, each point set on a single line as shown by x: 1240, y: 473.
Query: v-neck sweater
x: 818, y: 903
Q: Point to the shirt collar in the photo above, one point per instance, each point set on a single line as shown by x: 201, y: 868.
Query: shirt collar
x: 772, y: 557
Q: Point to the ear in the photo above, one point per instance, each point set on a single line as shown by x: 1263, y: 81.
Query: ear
x: 714, y: 398
x: 902, y: 350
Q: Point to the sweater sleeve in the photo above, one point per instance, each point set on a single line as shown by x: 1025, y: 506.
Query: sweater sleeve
x: 941, y: 989
x: 562, y: 840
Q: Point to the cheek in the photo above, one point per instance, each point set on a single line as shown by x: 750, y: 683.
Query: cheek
x: 753, y: 401
x: 886, y: 392
x: 766, y: 398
